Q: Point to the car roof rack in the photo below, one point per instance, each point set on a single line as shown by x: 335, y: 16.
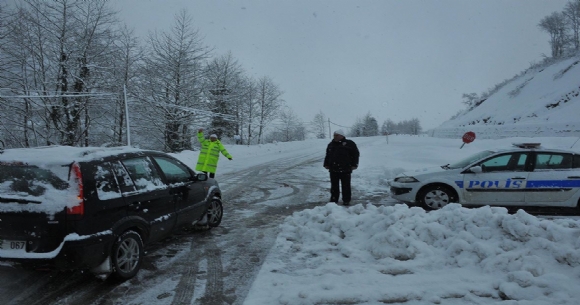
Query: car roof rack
x: 527, y: 145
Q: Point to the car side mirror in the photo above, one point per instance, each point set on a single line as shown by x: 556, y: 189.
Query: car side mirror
x: 201, y: 177
x: 476, y: 169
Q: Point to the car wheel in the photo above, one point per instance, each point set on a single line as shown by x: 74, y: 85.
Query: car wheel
x: 436, y: 196
x: 215, y: 213
x: 127, y: 255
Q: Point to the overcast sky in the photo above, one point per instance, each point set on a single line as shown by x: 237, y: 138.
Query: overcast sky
x: 395, y: 59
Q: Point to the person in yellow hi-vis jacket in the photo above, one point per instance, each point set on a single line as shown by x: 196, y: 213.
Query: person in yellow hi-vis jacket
x: 210, y: 153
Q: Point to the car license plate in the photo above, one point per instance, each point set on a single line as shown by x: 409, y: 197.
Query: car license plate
x: 12, y: 245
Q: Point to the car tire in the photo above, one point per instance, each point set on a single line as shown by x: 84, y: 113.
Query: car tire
x: 214, y: 213
x: 127, y: 255
x: 434, y: 197
x: 210, y: 219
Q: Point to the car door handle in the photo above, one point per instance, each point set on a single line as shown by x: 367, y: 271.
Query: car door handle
x: 519, y: 178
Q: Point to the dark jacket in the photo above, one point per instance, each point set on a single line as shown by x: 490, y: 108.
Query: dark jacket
x: 341, y: 156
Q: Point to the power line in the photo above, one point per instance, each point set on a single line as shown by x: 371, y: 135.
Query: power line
x: 56, y: 96
x: 339, y: 125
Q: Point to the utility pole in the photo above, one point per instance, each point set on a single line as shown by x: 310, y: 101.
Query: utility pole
x: 127, y: 115
x: 329, y: 133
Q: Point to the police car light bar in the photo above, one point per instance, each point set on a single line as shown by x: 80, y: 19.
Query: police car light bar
x: 527, y: 145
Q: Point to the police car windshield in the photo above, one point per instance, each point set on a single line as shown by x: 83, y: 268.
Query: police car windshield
x: 465, y: 162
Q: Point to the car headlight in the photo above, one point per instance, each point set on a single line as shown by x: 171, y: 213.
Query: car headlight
x: 406, y: 179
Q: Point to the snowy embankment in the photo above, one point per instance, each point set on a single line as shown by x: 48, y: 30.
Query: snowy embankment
x: 543, y: 101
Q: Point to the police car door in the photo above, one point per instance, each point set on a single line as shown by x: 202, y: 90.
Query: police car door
x: 555, y: 180
x: 502, y: 181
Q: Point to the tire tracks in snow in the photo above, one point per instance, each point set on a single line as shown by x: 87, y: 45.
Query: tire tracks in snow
x: 248, y: 231
x: 211, y: 268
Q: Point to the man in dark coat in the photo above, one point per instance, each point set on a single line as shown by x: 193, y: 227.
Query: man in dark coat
x: 341, y: 159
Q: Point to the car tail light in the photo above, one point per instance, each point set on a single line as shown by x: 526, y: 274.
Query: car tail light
x: 77, y: 178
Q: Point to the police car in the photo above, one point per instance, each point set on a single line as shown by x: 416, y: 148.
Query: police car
x: 527, y: 175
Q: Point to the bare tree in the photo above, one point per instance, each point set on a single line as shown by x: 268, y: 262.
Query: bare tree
x: 249, y: 107
x: 365, y: 127
x: 388, y: 127
x: 415, y: 126
x: 470, y: 99
x: 225, y: 87
x: 54, y: 51
x: 291, y: 127
x: 572, y: 14
x: 171, y: 91
x: 555, y: 25
x: 268, y: 102
x: 127, y: 58
x: 319, y: 125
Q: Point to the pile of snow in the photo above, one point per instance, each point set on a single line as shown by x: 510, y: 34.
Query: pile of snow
x: 395, y: 254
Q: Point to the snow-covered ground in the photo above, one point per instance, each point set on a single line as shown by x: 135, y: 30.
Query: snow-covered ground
x: 392, y: 254
x: 542, y: 102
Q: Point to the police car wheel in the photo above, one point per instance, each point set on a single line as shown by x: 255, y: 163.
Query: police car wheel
x: 436, y: 196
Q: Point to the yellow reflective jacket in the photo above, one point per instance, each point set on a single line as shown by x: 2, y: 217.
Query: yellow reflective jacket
x: 209, y: 154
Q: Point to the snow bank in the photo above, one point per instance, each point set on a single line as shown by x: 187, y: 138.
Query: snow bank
x: 335, y: 254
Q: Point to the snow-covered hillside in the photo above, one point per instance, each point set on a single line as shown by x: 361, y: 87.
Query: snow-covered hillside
x: 543, y: 101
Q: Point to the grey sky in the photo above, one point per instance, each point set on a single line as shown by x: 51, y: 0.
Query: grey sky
x: 395, y: 59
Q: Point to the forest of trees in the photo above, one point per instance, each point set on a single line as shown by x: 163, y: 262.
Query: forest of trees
x: 366, y: 126
x: 70, y: 72
x: 66, y: 67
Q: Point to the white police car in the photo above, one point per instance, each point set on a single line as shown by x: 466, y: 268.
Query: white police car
x: 527, y: 175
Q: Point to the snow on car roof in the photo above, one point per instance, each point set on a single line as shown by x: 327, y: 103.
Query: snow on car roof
x: 61, y: 154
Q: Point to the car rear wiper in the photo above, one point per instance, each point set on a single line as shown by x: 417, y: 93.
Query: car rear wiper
x: 23, y: 201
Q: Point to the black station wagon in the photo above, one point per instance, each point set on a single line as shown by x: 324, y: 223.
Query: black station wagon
x: 97, y: 208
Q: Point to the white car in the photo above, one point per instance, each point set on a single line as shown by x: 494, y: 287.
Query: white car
x: 527, y: 175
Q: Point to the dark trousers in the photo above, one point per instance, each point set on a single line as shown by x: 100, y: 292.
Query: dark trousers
x: 211, y: 175
x: 337, y: 180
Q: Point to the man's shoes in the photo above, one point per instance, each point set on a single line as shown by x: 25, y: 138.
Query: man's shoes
x: 346, y: 203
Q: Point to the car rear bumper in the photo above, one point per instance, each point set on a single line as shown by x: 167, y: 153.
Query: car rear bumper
x: 75, y: 252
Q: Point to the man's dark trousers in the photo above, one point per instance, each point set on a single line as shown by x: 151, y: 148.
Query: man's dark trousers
x: 343, y: 179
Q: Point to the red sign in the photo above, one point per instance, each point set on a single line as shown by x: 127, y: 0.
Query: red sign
x: 468, y: 137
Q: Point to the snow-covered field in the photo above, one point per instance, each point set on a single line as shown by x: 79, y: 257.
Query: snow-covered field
x: 392, y: 254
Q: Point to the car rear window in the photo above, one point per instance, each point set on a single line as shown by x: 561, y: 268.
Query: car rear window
x: 32, y: 188
x: 22, y: 179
